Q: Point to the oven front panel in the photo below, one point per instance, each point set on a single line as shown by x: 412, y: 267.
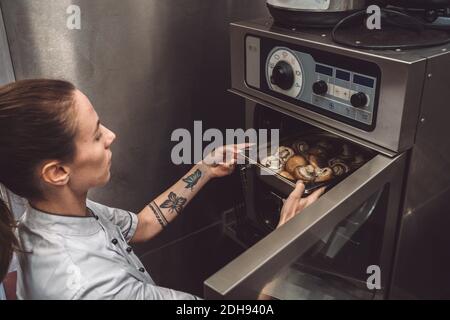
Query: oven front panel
x: 364, y: 95
x: 342, y: 88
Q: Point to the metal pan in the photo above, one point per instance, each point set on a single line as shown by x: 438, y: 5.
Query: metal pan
x: 286, y: 186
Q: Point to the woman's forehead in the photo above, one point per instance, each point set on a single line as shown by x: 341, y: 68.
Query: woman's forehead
x: 87, y: 117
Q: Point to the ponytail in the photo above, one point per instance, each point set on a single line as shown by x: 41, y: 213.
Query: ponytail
x: 8, y: 240
x: 37, y: 123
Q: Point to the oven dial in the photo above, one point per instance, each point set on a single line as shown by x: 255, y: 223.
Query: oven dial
x: 284, y: 72
x: 359, y: 100
x: 283, y: 75
x: 320, y: 87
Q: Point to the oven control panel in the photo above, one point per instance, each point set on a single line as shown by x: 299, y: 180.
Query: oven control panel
x: 339, y: 87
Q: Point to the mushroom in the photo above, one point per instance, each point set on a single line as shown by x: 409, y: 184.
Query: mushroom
x: 334, y: 161
x: 358, y: 161
x: 284, y: 153
x: 273, y: 163
x: 318, y: 151
x: 300, y: 147
x: 294, y: 162
x: 323, y: 175
x: 347, y: 152
x: 316, y: 161
x: 306, y: 173
x: 286, y: 175
x: 340, y: 168
x: 326, y: 145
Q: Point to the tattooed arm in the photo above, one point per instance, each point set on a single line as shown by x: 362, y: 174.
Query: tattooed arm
x: 162, y: 210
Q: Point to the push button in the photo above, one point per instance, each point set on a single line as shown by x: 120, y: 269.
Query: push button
x: 114, y: 241
x: 141, y: 269
x: 129, y: 249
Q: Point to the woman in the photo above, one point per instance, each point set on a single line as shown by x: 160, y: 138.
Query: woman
x: 54, y: 149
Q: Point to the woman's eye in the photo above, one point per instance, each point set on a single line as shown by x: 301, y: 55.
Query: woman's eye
x: 97, y: 138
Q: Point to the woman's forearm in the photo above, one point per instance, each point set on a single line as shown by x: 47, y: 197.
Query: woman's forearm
x: 167, y: 206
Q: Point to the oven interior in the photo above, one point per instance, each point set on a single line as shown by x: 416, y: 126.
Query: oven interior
x: 336, y: 266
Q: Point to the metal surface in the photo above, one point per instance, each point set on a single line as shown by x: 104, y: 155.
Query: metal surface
x: 422, y: 4
x: 401, y: 83
x: 423, y: 259
x: 321, y: 6
x: 6, y: 68
x: 246, y: 276
x: 149, y: 67
x: 140, y: 62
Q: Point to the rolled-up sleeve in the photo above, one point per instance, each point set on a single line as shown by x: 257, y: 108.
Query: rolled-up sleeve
x: 126, y: 221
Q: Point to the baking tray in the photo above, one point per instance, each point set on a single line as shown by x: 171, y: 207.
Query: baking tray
x: 286, y: 186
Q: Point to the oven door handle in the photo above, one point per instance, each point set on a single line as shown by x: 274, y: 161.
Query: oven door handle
x: 245, y: 277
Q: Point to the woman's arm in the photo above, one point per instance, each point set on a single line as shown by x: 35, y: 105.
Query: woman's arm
x: 166, y: 207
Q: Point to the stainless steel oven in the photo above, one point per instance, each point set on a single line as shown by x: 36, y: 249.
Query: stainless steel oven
x: 353, y: 243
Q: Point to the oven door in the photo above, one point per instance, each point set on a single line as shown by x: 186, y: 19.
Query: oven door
x: 282, y: 264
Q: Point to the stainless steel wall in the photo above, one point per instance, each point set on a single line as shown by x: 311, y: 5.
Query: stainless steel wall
x: 149, y: 67
x: 6, y: 69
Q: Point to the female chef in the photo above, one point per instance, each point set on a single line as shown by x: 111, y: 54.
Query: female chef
x: 53, y: 150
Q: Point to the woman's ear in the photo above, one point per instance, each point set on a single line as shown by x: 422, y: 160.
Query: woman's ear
x: 55, y: 173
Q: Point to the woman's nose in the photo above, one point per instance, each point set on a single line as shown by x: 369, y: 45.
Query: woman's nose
x: 111, y: 137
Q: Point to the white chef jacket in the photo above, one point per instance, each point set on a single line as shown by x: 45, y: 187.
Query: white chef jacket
x: 67, y: 257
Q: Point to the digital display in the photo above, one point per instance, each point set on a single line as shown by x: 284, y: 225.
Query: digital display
x: 343, y: 75
x: 324, y: 70
x: 367, y: 82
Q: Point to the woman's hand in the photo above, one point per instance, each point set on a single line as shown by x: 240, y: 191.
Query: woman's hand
x: 222, y: 161
x: 296, y: 204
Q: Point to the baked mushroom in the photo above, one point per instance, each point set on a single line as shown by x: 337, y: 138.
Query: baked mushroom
x: 286, y: 175
x: 334, y: 161
x: 273, y: 163
x: 318, y: 151
x: 325, y: 144
x: 306, y: 173
x: 323, y: 175
x: 340, y: 168
x: 317, y: 162
x: 347, y: 152
x: 357, y: 162
x: 300, y: 147
x: 284, y: 153
x: 294, y: 162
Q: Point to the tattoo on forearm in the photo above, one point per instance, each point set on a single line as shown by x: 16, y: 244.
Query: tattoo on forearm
x: 174, y: 203
x: 158, y: 214
x: 193, y: 179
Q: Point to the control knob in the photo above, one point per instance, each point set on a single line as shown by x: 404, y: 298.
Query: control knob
x: 359, y: 100
x: 320, y: 87
x: 283, y: 75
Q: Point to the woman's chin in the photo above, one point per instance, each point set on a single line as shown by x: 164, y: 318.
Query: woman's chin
x: 106, y: 179
x: 108, y: 176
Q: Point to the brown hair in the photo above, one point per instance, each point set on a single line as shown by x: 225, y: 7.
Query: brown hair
x: 37, y: 123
